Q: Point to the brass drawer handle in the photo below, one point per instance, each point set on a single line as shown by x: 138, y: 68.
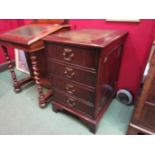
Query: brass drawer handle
x: 71, y: 102
x: 68, y: 54
x: 70, y: 88
x: 69, y: 72
x: 67, y: 49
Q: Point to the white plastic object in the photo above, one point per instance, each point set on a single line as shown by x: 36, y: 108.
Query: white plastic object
x: 124, y: 96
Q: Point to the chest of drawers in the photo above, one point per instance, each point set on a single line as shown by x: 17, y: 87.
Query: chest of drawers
x: 143, y: 119
x: 83, y: 66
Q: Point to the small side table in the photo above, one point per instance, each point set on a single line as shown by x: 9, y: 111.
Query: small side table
x: 28, y: 38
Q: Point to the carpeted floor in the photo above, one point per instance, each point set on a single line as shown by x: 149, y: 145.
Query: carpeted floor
x: 20, y: 114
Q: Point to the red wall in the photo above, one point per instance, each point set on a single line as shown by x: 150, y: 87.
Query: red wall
x: 136, y: 48
x: 5, y: 25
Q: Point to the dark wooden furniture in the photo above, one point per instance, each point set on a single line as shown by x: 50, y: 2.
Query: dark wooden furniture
x: 143, y: 119
x: 28, y: 38
x: 83, y: 66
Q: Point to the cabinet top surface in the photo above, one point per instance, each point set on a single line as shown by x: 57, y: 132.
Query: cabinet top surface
x: 30, y: 33
x: 88, y: 37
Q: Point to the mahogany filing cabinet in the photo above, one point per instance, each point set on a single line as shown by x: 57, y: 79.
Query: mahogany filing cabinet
x: 83, y: 66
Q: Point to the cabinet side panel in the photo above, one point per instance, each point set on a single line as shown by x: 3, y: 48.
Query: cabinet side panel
x: 110, y: 59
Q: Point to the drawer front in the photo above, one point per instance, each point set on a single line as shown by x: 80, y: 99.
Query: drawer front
x: 85, y: 57
x: 72, y: 73
x: 73, y: 103
x: 148, y: 116
x: 72, y: 88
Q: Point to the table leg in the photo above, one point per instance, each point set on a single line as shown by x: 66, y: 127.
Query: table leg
x: 43, y: 98
x: 16, y: 85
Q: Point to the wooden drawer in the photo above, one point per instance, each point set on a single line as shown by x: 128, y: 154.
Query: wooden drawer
x: 72, y: 73
x: 86, y: 57
x: 73, y: 88
x: 148, y: 116
x: 71, y: 102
